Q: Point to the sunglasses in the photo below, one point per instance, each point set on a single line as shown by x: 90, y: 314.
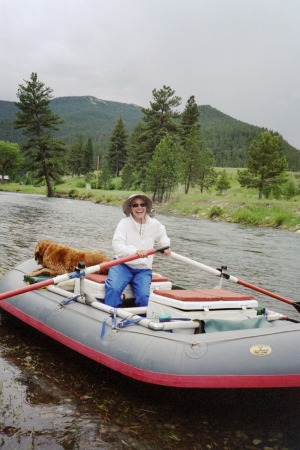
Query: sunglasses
x: 136, y: 205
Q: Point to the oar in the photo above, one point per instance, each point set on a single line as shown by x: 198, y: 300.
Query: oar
x: 77, y: 274
x: 219, y: 273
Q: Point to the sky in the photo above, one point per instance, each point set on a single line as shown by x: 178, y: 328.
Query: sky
x: 239, y: 56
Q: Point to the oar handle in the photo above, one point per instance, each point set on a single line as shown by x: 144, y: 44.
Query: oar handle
x: 117, y: 261
x: 162, y: 249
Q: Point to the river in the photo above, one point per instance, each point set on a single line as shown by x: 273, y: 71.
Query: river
x: 52, y: 398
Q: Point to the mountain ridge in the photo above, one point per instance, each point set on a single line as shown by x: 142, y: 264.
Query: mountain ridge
x: 95, y: 118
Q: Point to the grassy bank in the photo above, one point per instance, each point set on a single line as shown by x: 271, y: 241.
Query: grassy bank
x: 237, y: 205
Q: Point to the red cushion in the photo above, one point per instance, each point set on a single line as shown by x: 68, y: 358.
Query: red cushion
x: 97, y: 277
x: 198, y: 295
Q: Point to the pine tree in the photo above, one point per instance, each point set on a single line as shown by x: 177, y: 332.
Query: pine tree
x: 105, y: 173
x: 75, y: 158
x: 117, y: 151
x: 190, y: 118
x: 88, y: 155
x: 191, y: 157
x: 266, y: 164
x: 160, y: 118
x: 137, y: 156
x: 223, y: 182
x: 206, y: 175
x: 128, y: 177
x: 44, y: 155
x: 164, y: 170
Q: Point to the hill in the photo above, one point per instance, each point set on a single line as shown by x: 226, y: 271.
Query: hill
x: 86, y: 115
x: 227, y: 137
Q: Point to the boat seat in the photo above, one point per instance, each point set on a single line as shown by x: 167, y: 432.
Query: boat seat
x: 101, y: 278
x: 95, y: 285
x: 96, y: 277
x: 202, y: 295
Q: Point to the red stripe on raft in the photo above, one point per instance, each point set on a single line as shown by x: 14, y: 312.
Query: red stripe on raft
x: 163, y: 379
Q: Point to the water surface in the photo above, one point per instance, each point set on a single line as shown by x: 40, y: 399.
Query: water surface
x: 52, y: 398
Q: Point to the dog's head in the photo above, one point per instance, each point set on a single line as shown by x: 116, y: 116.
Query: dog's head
x: 40, y: 249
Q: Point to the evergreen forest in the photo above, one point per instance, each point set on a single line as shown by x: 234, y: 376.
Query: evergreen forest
x: 90, y: 118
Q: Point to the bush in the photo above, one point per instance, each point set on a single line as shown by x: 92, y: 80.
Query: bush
x: 85, y: 195
x: 247, y: 215
x: 73, y: 193
x: 117, y: 182
x: 279, y: 220
x: 216, y: 211
x: 290, y: 189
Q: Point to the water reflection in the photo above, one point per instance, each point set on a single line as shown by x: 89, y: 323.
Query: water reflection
x: 62, y: 399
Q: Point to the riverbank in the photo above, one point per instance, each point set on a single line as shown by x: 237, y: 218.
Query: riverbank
x: 237, y: 205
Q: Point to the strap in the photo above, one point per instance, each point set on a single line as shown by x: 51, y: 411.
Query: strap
x: 113, y: 323
x: 126, y: 322
x: 69, y: 299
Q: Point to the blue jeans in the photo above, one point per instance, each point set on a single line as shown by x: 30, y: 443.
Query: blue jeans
x: 118, y: 278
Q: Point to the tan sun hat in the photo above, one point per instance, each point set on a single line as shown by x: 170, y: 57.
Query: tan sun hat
x: 129, y: 201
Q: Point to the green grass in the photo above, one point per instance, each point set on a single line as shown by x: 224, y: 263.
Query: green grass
x: 237, y: 204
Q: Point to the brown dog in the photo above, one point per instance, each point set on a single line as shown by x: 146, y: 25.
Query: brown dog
x: 58, y: 259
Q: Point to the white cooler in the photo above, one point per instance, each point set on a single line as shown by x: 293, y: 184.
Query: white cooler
x: 201, y: 304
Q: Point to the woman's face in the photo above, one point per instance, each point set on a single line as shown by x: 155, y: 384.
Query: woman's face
x: 138, y: 209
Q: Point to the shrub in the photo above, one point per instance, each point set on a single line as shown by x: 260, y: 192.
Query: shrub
x: 216, y: 211
x: 81, y: 184
x: 291, y: 189
x: 73, y: 193
x: 246, y: 215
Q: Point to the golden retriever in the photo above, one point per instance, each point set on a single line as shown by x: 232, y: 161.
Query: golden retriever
x: 58, y: 259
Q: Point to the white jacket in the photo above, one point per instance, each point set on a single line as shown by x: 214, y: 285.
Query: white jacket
x: 131, y: 236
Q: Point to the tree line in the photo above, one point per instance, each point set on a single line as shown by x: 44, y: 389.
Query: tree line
x: 164, y: 150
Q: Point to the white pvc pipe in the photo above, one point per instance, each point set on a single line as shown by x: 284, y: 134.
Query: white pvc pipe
x: 131, y: 315
x: 202, y: 266
x: 195, y: 264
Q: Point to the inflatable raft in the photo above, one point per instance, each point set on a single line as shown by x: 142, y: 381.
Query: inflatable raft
x: 200, y: 338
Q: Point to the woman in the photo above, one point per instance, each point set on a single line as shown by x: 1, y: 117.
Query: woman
x: 136, y: 233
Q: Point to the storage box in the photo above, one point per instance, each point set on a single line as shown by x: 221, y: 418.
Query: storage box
x: 201, y: 304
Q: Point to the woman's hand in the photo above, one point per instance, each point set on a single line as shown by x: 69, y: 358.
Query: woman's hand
x: 142, y: 253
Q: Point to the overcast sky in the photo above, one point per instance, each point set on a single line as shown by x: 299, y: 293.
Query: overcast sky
x: 239, y: 56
